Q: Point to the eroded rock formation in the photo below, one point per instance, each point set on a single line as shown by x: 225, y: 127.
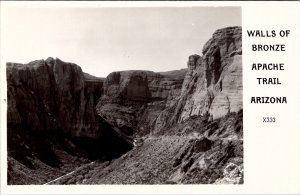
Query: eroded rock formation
x: 213, y: 82
x: 132, y: 100
x: 52, y: 95
x: 51, y: 110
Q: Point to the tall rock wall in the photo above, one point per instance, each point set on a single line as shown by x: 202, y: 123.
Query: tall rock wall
x: 52, y: 95
x: 213, y: 82
x: 52, y: 119
x: 132, y: 100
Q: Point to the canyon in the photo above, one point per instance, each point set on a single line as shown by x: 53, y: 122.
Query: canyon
x: 184, y: 126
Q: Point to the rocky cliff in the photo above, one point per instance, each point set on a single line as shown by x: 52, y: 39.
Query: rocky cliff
x: 213, y: 82
x: 51, y: 95
x: 51, y: 107
x: 132, y: 100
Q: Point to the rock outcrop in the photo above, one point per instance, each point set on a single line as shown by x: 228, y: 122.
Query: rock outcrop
x: 52, y: 95
x: 132, y: 100
x: 51, y: 110
x: 213, y: 82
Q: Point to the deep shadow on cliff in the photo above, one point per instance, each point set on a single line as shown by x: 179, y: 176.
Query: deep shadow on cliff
x: 133, y: 127
x: 52, y: 123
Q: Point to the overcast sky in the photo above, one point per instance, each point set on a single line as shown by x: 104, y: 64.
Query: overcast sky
x: 102, y: 40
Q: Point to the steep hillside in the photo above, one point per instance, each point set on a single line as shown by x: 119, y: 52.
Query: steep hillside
x: 202, y: 153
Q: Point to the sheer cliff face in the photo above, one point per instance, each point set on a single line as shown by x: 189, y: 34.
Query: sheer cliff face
x: 52, y: 95
x: 132, y: 100
x: 52, y: 121
x: 216, y: 77
x: 213, y: 83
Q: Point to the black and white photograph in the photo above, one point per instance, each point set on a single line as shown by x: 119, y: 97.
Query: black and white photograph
x: 124, y: 95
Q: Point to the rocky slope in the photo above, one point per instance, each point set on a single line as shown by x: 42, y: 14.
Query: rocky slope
x: 203, y: 152
x: 186, y: 126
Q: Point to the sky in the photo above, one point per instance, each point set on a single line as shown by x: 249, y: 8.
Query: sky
x: 102, y: 39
